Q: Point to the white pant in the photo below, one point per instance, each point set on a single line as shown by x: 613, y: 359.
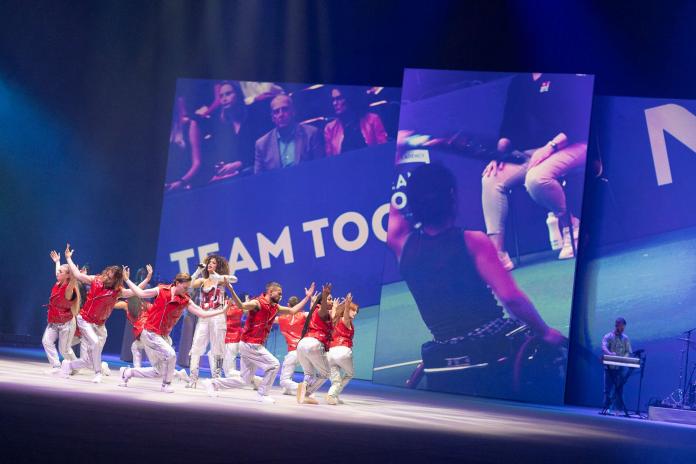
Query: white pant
x: 229, y: 365
x: 161, y: 355
x: 289, y: 365
x: 341, y: 366
x: 137, y: 348
x: 312, y: 356
x: 92, y: 342
x: 211, y: 331
x: 256, y: 356
x: 63, y: 333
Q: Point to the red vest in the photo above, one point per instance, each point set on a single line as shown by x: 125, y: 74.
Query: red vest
x: 165, y: 312
x: 234, y: 324
x: 342, y: 335
x: 59, y: 306
x: 99, y: 303
x: 291, y: 327
x: 319, y: 328
x: 259, y: 323
x: 139, y: 322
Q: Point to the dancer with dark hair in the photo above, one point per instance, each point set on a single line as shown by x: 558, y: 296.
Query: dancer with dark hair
x: 210, y: 330
x: 168, y: 306
x: 340, y: 354
x: 455, y: 277
x: 105, y: 290
x: 63, y: 305
x: 291, y: 328
x: 311, y: 350
x: 261, y: 313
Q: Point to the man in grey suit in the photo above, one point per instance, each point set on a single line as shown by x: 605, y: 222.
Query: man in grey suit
x: 289, y: 143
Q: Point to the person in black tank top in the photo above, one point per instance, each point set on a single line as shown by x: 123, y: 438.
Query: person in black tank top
x: 456, y: 279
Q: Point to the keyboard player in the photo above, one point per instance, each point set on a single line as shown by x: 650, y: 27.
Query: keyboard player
x: 615, y: 343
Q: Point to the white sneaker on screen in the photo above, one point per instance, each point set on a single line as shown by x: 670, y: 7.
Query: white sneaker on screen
x: 97, y: 378
x: 105, y: 369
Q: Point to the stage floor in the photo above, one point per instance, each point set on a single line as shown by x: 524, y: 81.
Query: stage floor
x: 43, y: 414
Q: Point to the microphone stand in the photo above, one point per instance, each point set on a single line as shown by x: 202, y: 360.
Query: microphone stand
x: 643, y: 359
x: 686, y: 365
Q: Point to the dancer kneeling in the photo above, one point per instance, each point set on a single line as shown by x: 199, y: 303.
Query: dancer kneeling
x: 341, y: 348
x: 261, y: 315
x: 312, y: 348
x: 168, y: 306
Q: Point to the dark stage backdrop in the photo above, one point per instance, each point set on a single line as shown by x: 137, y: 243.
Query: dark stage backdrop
x: 86, y: 95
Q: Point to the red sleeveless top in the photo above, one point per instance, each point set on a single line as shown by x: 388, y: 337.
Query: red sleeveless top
x: 99, y: 303
x: 319, y: 328
x: 342, y: 335
x: 58, y: 306
x: 259, y: 323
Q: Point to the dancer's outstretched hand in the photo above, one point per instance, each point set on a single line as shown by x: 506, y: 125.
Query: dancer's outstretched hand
x: 68, y: 252
x: 55, y: 256
x: 149, y: 269
x: 310, y: 291
x: 126, y: 273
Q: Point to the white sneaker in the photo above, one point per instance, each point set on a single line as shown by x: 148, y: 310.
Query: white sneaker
x: 53, y: 370
x: 181, y: 375
x: 167, y: 388
x: 210, y: 388
x: 301, y: 391
x: 290, y: 392
x: 506, y: 261
x: 332, y: 400
x: 567, y: 250
x: 257, y: 382
x: 65, y: 370
x: 123, y: 374
x: 265, y: 399
x: 97, y: 378
x: 105, y: 369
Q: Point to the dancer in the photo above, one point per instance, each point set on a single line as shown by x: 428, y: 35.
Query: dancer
x: 209, y: 330
x: 261, y: 313
x: 137, y: 320
x: 233, y: 335
x: 340, y: 354
x: 291, y: 327
x: 168, y: 306
x: 312, y: 348
x: 105, y: 290
x: 63, y: 305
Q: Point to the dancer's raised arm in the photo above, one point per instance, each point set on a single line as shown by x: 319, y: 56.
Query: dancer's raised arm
x: 84, y: 278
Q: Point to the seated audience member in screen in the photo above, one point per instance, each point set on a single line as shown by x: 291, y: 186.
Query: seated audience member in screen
x: 455, y: 277
x: 354, y: 126
x: 541, y: 122
x: 221, y: 145
x: 290, y: 142
x: 615, y: 343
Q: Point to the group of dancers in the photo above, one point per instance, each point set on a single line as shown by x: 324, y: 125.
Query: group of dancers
x: 321, y: 340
